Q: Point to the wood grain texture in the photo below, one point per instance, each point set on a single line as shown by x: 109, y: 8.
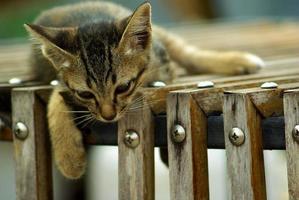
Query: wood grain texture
x: 246, y: 178
x: 136, y: 165
x: 33, y: 166
x: 211, y: 99
x: 268, y: 102
x: 188, y: 164
x: 291, y: 110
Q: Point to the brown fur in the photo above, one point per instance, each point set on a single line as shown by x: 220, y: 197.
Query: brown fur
x: 138, y: 52
x: 66, y: 139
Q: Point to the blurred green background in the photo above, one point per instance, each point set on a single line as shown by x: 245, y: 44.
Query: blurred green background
x: 14, y: 13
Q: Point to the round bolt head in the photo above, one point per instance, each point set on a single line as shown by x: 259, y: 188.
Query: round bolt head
x: 296, y: 133
x: 269, y: 85
x: 236, y: 136
x: 15, y: 81
x: 157, y: 84
x: 205, y: 84
x: 178, y: 133
x: 131, y: 139
x: 21, y: 130
x: 54, y: 82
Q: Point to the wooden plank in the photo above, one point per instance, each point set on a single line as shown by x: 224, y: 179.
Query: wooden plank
x: 33, y: 166
x: 209, y: 99
x: 136, y: 165
x: 291, y: 111
x: 246, y: 178
x: 272, y: 128
x: 188, y: 164
x: 268, y: 102
x: 268, y: 43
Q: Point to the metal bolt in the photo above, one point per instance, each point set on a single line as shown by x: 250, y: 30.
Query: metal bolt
x: 15, y: 81
x: 269, y: 85
x: 296, y: 133
x: 237, y: 136
x: 21, y: 130
x: 205, y: 84
x: 157, y: 84
x: 54, y: 82
x: 178, y: 133
x: 132, y: 139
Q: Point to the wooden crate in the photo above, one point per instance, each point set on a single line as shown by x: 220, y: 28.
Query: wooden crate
x: 266, y: 117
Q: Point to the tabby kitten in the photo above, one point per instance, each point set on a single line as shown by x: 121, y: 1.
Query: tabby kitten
x: 102, y: 54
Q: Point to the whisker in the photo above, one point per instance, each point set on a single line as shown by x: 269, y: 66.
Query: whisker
x: 79, y: 117
x: 90, y: 120
x: 145, y: 103
x: 75, y: 111
x: 84, y: 120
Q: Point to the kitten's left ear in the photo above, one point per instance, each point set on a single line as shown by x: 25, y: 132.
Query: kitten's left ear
x: 57, y: 44
x: 138, y: 32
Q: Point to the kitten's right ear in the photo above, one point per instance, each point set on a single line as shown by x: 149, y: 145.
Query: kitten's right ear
x: 56, y: 43
x: 138, y: 32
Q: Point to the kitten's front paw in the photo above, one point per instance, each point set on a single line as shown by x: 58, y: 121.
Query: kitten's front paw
x: 242, y: 63
x: 71, y: 162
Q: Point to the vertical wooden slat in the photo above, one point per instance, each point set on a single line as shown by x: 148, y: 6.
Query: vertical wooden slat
x: 245, y: 163
x: 291, y: 113
x: 188, y: 165
x: 32, y: 155
x: 136, y: 165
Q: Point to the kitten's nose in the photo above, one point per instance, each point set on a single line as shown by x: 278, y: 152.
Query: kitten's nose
x: 108, y: 112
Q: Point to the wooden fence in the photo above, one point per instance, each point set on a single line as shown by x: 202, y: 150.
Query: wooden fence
x: 240, y: 114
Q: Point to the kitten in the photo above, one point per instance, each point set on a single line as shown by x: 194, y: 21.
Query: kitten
x: 102, y: 54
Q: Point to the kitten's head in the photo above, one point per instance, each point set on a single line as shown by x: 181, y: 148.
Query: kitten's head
x: 103, y: 64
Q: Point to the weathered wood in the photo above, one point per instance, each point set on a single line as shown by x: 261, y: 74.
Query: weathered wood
x: 246, y: 178
x: 268, y: 43
x: 188, y: 163
x: 33, y: 166
x: 291, y: 111
x: 211, y: 99
x: 136, y: 165
x: 268, y: 102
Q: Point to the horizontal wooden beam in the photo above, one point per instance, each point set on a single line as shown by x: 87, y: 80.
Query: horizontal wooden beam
x: 210, y: 99
x: 272, y: 129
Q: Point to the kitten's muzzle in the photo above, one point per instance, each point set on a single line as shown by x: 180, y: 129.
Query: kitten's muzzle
x: 108, y: 112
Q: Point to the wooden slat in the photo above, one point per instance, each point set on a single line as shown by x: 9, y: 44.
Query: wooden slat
x: 33, y: 167
x: 268, y: 102
x: 246, y: 178
x: 136, y: 165
x: 211, y: 98
x: 188, y: 164
x: 291, y: 111
x: 261, y: 38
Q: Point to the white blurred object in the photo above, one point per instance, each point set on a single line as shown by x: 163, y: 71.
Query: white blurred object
x: 102, y: 181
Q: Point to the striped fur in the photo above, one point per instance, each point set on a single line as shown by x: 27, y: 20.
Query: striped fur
x: 103, y: 53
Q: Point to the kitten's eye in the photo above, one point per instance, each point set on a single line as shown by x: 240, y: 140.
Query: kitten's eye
x: 85, y: 94
x: 123, y: 87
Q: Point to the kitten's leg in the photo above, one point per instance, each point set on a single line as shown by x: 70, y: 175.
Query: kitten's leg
x: 68, y: 149
x: 203, y: 61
